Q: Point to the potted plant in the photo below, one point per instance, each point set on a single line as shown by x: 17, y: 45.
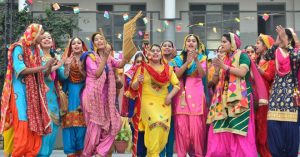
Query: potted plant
x: 122, y: 139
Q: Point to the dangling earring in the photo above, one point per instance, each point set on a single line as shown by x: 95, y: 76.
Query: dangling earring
x: 289, y: 46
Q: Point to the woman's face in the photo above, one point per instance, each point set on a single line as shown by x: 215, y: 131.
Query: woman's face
x: 167, y: 48
x: 47, y: 41
x: 76, y: 46
x: 191, y: 43
x: 155, y: 54
x: 220, y: 53
x: 260, y: 47
x: 138, y: 61
x: 99, y: 42
x: 225, y: 45
x: 251, y: 53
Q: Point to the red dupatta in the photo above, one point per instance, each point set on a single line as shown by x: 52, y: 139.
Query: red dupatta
x: 160, y: 77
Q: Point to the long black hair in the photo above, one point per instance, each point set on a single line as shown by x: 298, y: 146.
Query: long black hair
x: 290, y: 37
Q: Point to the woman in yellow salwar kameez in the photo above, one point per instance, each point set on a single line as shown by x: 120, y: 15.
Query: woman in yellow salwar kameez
x: 152, y: 79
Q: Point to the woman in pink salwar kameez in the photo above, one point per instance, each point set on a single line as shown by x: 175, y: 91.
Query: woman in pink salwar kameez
x: 189, y: 108
x: 98, y: 98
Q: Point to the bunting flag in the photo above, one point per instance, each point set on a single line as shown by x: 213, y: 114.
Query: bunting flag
x: 145, y: 20
x: 106, y: 14
x: 237, y: 19
x: 158, y: 30
x: 29, y: 1
x: 76, y: 10
x: 266, y: 16
x: 125, y: 17
x: 56, y: 6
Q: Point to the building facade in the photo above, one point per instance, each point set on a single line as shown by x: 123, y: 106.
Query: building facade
x: 173, y: 19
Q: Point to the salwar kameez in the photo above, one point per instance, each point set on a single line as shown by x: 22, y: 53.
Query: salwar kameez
x: 189, y: 110
x: 283, y: 115
x: 155, y: 114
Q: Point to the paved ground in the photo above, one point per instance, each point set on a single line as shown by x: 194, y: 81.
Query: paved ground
x: 60, y: 153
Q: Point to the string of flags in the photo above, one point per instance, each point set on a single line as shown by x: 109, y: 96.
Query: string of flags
x: 165, y: 23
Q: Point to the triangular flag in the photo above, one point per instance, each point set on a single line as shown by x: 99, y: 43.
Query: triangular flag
x: 106, y: 14
x: 266, y: 16
x: 29, y: 1
x: 125, y: 17
x: 76, y: 10
x: 237, y: 19
x: 145, y: 20
x: 56, y: 6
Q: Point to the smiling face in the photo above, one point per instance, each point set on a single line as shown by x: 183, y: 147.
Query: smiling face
x: 191, y: 43
x: 167, y: 48
x: 99, y: 42
x: 76, y: 46
x: 47, y: 41
x: 155, y: 53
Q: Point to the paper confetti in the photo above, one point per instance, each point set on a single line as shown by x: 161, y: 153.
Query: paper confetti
x: 200, y: 24
x: 237, y: 19
x: 215, y: 29
x: 166, y: 23
x: 266, y: 16
x: 140, y: 33
x: 125, y: 17
x: 237, y: 32
x: 158, y: 30
x: 145, y: 20
x: 120, y: 36
x: 76, y: 10
x: 56, y: 6
x: 106, y: 14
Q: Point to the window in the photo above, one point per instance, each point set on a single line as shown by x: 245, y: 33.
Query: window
x: 66, y: 7
x: 105, y: 7
x: 217, y: 19
x: 114, y: 25
x: 276, y: 17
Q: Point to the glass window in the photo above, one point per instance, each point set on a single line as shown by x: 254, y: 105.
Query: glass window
x: 276, y: 14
